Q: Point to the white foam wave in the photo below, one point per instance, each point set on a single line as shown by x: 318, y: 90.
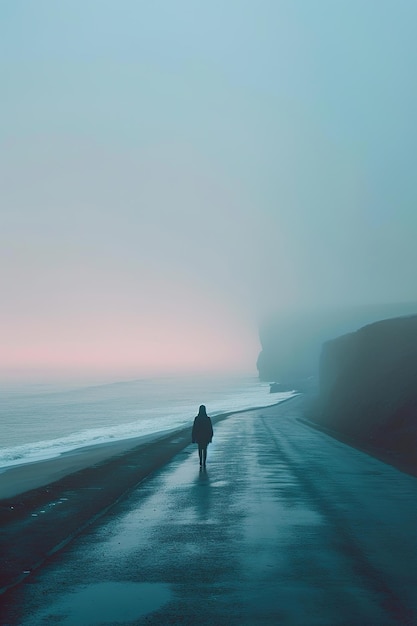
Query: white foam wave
x: 151, y: 421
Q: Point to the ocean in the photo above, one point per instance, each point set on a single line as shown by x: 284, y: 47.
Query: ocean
x: 43, y: 421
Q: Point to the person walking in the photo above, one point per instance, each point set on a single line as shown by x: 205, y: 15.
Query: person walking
x: 202, y: 433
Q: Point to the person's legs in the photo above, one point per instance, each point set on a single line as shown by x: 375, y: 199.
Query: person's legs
x: 200, y: 453
x: 204, y: 455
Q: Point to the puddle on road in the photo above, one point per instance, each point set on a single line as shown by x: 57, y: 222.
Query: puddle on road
x: 109, y: 603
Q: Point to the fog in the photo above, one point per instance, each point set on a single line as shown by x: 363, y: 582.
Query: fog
x: 173, y: 172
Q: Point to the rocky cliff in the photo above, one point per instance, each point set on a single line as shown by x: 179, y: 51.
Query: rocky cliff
x: 368, y: 387
x: 291, y: 344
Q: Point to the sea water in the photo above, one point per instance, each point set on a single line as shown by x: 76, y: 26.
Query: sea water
x: 42, y: 422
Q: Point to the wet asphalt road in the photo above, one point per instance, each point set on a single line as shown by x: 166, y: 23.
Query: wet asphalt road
x: 286, y: 526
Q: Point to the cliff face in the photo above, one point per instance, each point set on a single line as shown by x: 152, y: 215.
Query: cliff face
x: 289, y: 351
x: 368, y: 386
x: 291, y: 344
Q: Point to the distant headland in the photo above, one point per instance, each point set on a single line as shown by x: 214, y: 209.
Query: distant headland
x: 362, y: 384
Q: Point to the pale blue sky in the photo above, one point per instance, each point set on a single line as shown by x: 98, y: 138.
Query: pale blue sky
x: 192, y: 165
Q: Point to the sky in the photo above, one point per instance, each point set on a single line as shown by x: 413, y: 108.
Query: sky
x: 173, y: 171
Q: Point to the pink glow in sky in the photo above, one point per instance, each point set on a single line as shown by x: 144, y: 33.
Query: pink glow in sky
x: 118, y: 345
x: 173, y: 171
x: 137, y: 268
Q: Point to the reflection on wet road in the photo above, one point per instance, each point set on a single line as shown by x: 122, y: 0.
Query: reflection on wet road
x: 286, y: 526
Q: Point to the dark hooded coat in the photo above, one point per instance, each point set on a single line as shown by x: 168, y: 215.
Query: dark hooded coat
x: 202, y: 429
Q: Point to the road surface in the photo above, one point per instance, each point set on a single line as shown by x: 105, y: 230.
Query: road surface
x: 286, y: 526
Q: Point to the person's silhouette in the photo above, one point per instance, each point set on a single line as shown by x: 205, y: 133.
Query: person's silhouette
x: 202, y: 433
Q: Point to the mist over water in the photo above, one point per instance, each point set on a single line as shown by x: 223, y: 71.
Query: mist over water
x: 173, y: 172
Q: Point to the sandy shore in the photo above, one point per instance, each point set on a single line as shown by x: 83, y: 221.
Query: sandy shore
x: 18, y: 479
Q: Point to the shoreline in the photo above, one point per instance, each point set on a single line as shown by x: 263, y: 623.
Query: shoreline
x: 16, y: 480
x: 39, y: 522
